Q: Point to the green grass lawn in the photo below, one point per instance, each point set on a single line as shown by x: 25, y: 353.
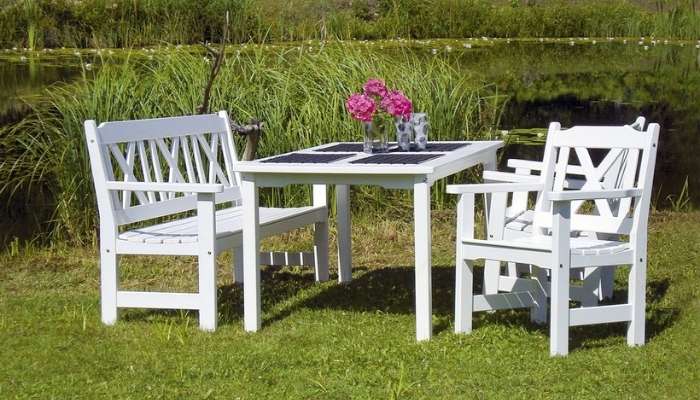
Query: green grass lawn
x: 330, y: 341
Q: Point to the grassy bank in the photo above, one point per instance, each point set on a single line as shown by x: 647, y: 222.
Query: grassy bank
x: 100, y: 23
x: 298, y: 91
x: 336, y: 342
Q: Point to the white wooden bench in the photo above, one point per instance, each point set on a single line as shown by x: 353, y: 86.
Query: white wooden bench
x: 150, y: 176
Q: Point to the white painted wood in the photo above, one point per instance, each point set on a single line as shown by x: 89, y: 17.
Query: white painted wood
x: 147, y: 129
x: 503, y: 301
x: 423, y: 247
x: 206, y: 234
x: 622, y: 201
x: 437, y: 168
x: 559, y: 325
x: 186, y: 164
x: 320, y: 199
x: 343, y: 174
x: 464, y: 274
x: 494, y: 188
x: 251, y: 257
x: 593, y: 194
x: 344, y: 235
x: 184, y: 301
x: 591, y: 282
x: 300, y: 258
x: 600, y: 314
x: 171, y: 187
x: 237, y: 260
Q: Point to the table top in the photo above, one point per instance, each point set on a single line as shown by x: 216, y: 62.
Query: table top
x: 347, y: 158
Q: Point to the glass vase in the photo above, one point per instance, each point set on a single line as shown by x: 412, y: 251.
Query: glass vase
x: 404, y: 133
x: 376, y: 134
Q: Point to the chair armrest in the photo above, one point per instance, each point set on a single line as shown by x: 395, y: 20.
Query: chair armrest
x: 510, y: 177
x: 165, y: 187
x: 572, y: 195
x: 494, y: 188
x: 526, y: 164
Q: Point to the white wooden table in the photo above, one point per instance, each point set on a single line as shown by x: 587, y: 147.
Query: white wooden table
x: 351, y: 170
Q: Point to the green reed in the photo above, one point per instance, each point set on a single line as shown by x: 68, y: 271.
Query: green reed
x: 121, y: 23
x: 298, y: 91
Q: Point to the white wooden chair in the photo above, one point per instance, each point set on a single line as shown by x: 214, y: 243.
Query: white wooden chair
x: 145, y: 170
x: 516, y: 220
x: 558, y: 212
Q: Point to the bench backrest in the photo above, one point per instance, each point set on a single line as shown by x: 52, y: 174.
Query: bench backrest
x: 631, y: 155
x: 188, y: 149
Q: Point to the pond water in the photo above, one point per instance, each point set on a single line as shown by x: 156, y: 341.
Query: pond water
x: 580, y: 83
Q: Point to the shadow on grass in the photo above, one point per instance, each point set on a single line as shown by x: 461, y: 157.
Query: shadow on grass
x: 392, y: 290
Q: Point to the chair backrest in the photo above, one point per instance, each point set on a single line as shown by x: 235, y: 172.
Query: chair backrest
x: 188, y: 149
x: 630, y: 154
x: 614, y: 162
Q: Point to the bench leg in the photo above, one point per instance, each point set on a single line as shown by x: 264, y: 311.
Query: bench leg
x: 109, y: 272
x: 637, y: 299
x: 206, y: 226
x: 321, y: 251
x: 252, y: 318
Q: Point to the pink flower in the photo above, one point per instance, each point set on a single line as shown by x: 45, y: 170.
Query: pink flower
x: 361, y: 107
x: 375, y: 87
x: 397, y: 104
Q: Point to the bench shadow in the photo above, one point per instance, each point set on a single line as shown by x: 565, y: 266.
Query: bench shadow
x: 392, y: 290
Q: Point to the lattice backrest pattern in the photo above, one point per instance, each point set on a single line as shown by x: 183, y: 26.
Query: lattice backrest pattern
x: 190, y: 149
x: 624, y: 166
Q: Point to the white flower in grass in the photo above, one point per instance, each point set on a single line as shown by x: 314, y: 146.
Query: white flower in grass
x: 434, y: 51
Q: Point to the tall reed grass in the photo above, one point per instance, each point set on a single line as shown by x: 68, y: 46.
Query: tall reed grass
x: 120, y: 23
x: 299, y: 92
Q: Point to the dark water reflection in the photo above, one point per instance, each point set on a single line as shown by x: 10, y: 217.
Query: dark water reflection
x: 605, y: 84
x: 581, y: 84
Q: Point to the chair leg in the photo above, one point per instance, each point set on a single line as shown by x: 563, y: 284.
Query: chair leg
x: 207, y: 292
x: 538, y: 314
x: 109, y: 273
x: 607, y: 282
x: 237, y: 259
x: 321, y: 251
x: 464, y: 296
x: 591, y: 283
x: 637, y: 299
x: 559, y: 324
x: 492, y: 275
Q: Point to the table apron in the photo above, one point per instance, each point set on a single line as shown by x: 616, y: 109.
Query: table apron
x: 388, y: 181
x: 284, y: 179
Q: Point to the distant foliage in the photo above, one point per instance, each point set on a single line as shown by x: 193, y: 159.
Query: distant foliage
x: 121, y: 23
x: 299, y: 93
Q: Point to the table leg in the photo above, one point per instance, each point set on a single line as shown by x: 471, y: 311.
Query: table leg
x: 492, y: 268
x: 422, y: 238
x: 251, y: 256
x: 342, y: 196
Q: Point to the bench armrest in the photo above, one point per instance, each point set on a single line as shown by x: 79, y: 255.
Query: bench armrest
x: 494, y: 188
x: 165, y: 187
x: 572, y: 195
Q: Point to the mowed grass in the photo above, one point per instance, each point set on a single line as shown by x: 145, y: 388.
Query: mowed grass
x: 328, y: 341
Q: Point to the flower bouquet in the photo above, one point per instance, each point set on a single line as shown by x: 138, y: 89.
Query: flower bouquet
x: 376, y: 107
